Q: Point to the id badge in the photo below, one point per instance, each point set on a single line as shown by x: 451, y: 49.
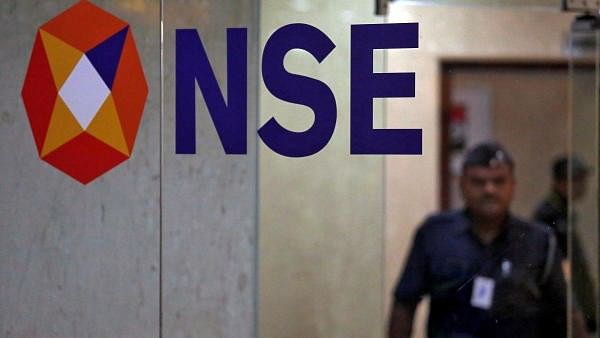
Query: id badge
x: 483, y: 292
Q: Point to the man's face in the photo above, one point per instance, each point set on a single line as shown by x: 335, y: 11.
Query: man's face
x: 579, y: 187
x: 488, y: 191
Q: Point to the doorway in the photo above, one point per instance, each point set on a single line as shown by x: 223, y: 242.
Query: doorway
x: 524, y: 106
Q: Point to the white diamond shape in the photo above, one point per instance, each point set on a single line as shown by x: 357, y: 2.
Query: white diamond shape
x: 84, y: 91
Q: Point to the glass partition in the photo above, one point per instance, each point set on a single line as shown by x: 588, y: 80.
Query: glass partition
x: 584, y: 75
x: 262, y: 245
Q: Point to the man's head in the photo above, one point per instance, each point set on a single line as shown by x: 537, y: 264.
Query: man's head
x: 487, y: 182
x: 578, y: 173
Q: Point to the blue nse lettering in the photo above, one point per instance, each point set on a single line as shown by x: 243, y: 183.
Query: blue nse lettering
x: 230, y: 116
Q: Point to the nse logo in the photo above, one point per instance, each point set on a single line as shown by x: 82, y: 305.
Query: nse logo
x: 85, y: 91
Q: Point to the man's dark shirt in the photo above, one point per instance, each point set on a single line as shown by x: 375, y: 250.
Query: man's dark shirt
x: 553, y: 211
x: 529, y: 291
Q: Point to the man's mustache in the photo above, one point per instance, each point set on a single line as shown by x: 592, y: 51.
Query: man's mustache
x: 489, y: 198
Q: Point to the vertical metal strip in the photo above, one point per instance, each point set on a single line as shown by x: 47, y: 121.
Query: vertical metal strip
x: 570, y: 135
x: 257, y: 244
x: 597, y: 164
x: 384, y: 208
x: 160, y: 173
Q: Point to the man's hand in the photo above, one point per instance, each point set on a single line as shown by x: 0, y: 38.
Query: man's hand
x: 401, y: 320
x: 566, y: 268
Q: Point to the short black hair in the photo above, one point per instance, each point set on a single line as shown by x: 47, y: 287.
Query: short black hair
x: 487, y: 154
x: 560, y: 167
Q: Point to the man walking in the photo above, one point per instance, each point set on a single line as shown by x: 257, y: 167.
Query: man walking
x: 488, y: 273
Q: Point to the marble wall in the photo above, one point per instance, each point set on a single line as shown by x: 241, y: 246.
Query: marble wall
x: 209, y: 199
x: 84, y: 261
x: 76, y: 260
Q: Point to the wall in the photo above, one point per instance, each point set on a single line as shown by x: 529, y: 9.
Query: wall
x: 446, y: 33
x: 209, y: 199
x: 74, y: 261
x: 84, y: 261
x: 321, y: 217
x: 529, y: 108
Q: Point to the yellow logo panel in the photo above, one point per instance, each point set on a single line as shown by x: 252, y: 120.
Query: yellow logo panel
x: 63, y: 127
x: 61, y: 56
x: 106, y: 127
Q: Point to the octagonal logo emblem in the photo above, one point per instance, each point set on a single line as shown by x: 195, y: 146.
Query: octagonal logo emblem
x: 84, y: 91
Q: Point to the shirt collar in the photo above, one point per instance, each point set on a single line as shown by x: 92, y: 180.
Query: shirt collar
x: 465, y: 222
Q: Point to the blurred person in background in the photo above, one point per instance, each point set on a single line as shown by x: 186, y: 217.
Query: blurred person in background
x: 553, y: 210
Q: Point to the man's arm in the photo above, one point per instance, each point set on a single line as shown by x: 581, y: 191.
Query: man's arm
x: 401, y: 320
x: 553, y: 289
x: 412, y: 285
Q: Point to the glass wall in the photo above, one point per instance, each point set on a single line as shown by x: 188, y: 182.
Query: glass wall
x: 259, y: 244
x: 584, y: 201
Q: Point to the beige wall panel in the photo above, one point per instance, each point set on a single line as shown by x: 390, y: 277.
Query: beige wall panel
x: 76, y: 261
x: 209, y: 198
x: 321, y: 230
x: 448, y: 32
